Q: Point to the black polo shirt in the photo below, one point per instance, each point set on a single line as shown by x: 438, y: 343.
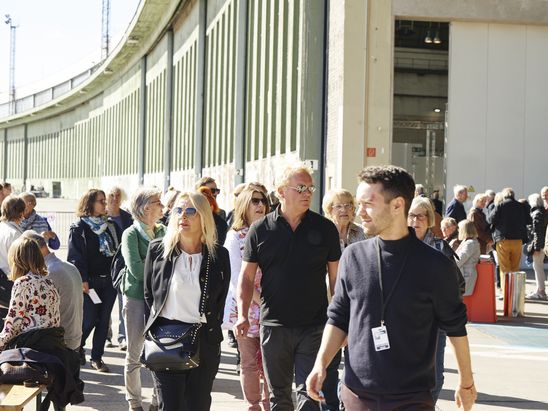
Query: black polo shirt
x: 294, y: 267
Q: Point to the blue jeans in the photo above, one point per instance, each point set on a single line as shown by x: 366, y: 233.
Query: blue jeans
x: 97, y: 316
x: 440, y: 368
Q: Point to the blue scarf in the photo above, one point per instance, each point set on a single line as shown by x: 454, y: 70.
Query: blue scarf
x: 99, y: 226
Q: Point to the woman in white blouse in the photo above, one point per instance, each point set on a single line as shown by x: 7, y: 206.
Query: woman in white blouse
x: 174, y: 284
x: 250, y: 205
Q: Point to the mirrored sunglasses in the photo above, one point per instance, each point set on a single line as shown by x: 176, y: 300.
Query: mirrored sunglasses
x: 189, y: 211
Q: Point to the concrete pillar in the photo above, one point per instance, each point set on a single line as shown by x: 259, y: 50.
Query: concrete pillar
x: 25, y: 156
x: 311, y: 71
x: 142, y: 122
x: 240, y: 90
x: 359, y: 102
x: 200, y: 87
x: 168, y: 114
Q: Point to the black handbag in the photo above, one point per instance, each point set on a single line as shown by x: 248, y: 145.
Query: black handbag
x: 175, y: 345
x: 172, y: 347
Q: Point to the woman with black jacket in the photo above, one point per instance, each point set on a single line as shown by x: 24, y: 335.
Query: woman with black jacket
x: 178, y: 269
x: 92, y: 242
x: 536, y: 244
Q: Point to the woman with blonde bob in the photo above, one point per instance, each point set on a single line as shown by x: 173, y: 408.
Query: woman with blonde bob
x: 469, y: 254
x: 250, y: 206
x: 340, y: 207
x: 34, y: 300
x: 186, y: 279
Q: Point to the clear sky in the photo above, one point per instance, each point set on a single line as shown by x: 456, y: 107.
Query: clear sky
x: 56, y: 39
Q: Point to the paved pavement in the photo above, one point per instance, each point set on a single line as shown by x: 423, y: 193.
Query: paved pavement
x: 510, y: 360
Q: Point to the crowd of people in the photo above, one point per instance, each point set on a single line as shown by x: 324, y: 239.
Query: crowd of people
x: 294, y: 290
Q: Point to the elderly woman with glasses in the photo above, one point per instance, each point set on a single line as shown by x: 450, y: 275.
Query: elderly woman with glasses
x: 421, y: 218
x: 250, y: 206
x: 186, y: 279
x: 147, y: 210
x: 92, y: 243
x: 340, y: 207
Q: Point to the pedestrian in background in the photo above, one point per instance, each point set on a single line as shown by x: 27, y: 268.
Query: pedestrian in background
x: 146, y: 209
x: 36, y: 222
x: 92, y: 242
x: 536, y: 245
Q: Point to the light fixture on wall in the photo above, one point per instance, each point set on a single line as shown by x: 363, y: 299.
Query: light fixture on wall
x: 437, y: 110
x: 428, y: 38
x: 437, y: 39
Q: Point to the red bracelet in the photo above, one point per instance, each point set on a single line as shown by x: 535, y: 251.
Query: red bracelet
x: 466, y: 388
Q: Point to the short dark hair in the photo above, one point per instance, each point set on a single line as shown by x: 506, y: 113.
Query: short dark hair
x: 395, y: 181
x: 85, y: 205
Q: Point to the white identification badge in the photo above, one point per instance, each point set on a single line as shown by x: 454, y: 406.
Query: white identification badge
x: 380, y: 338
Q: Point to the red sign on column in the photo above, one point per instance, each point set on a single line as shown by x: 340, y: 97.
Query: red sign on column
x: 371, y: 152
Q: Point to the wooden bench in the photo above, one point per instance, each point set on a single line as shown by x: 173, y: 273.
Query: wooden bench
x: 15, y: 397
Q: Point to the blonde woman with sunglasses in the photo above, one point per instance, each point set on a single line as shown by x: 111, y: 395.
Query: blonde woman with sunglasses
x: 186, y: 279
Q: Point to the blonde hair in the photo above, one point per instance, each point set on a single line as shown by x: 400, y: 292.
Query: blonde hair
x: 290, y: 172
x: 209, y: 231
x: 332, y: 195
x: 241, y: 205
x: 24, y: 256
x: 467, y: 229
x: 478, y: 198
x: 448, y: 221
x: 426, y: 204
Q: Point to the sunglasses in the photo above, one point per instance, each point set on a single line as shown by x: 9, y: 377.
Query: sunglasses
x: 189, y: 211
x: 215, y: 190
x: 257, y: 201
x: 340, y: 207
x: 301, y: 188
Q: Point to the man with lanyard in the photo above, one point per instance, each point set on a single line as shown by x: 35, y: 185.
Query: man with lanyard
x: 293, y: 247
x: 393, y: 292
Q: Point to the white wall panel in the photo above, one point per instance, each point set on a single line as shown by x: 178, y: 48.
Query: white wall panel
x: 498, y: 100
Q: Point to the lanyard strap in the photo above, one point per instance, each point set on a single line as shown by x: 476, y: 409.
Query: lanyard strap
x: 379, y: 262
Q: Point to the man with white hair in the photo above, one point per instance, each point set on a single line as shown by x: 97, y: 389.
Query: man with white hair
x: 455, y: 208
x: 294, y: 247
x: 544, y: 195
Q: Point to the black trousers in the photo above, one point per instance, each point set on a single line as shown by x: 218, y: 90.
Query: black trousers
x: 419, y: 401
x: 289, y: 351
x: 189, y: 390
x: 97, y: 316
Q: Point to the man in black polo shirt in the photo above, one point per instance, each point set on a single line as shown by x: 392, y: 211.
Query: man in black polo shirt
x: 393, y: 293
x: 294, y: 248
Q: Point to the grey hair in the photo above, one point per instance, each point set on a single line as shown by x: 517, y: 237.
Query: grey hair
x: 535, y: 200
x: 140, y: 199
x: 459, y: 188
x: 33, y: 235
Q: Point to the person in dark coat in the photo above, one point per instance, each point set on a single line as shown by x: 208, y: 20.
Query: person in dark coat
x: 455, y: 209
x: 178, y: 268
x: 536, y: 245
x: 92, y: 242
x: 220, y: 223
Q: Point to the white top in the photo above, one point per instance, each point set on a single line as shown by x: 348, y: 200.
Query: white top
x: 232, y: 244
x: 9, y: 232
x: 183, y: 296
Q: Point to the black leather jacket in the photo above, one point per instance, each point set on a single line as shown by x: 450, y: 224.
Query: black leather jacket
x: 157, y: 277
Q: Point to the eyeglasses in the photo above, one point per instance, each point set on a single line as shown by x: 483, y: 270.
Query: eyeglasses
x: 215, y: 191
x: 345, y: 206
x: 189, y: 211
x: 101, y: 201
x: 419, y: 217
x: 257, y: 201
x: 301, y: 188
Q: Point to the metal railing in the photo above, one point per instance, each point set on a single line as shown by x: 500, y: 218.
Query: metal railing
x: 45, y: 96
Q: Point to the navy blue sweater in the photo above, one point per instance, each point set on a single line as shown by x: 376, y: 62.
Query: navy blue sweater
x: 426, y: 298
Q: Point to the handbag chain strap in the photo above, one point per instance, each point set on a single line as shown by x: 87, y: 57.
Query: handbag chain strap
x: 203, y: 299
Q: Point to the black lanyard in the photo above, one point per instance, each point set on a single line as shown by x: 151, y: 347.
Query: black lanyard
x: 379, y: 261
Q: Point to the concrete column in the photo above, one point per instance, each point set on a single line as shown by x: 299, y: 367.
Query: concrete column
x: 311, y: 80
x: 200, y: 87
x: 25, y: 156
x: 379, y: 87
x: 168, y: 114
x: 359, y: 103
x: 5, y: 154
x: 142, y: 122
x: 240, y: 90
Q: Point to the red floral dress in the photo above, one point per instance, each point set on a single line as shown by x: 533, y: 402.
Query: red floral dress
x: 34, y: 304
